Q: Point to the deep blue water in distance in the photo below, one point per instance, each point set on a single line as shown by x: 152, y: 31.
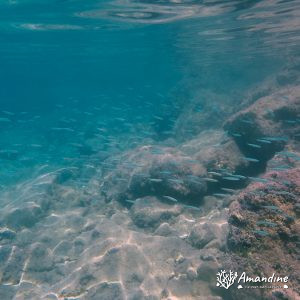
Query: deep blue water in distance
x: 61, y: 59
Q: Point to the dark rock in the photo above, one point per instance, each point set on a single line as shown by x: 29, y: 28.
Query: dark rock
x: 267, y: 117
x: 208, y: 235
x: 79, y: 246
x: 63, y: 248
x: 14, y: 266
x: 95, y: 234
x: 221, y: 152
x: 107, y: 291
x: 6, y: 233
x: 24, y: 217
x: 41, y: 259
x: 25, y: 237
x: 164, y: 230
x: 207, y: 271
x: 156, y: 171
x: 191, y: 274
x: 65, y: 175
x: 86, y: 278
x: 209, y: 254
x: 149, y: 213
x: 5, y: 251
x: 7, y: 292
x: 267, y: 242
x: 201, y: 235
x: 50, y: 297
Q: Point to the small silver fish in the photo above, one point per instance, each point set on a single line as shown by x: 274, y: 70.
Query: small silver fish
x: 231, y: 178
x: 5, y: 120
x: 221, y: 195
x: 261, y: 232
x: 239, y: 176
x: 170, y: 198
x: 253, y: 145
x: 192, y: 207
x: 228, y: 190
x: 130, y: 201
x: 8, y: 113
x: 250, y: 159
x: 236, y: 134
x: 215, y: 173
x: 264, y: 141
x: 210, y: 179
x: 155, y: 180
x: 258, y: 179
x: 178, y: 181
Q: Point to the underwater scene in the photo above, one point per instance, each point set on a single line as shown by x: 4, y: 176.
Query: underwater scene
x: 149, y: 149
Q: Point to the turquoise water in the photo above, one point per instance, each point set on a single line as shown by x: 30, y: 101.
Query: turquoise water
x: 137, y: 139
x: 76, y: 59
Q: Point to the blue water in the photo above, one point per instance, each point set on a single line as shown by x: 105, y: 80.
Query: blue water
x: 122, y: 147
x: 81, y: 64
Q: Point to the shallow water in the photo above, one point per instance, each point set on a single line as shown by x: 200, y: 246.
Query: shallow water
x: 83, y: 83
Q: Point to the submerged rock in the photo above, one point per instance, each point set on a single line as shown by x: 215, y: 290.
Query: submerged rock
x: 6, y: 233
x: 109, y: 291
x: 164, y: 230
x: 156, y: 171
x: 267, y: 125
x: 149, y: 212
x: 209, y: 235
x: 27, y: 216
x: 264, y: 235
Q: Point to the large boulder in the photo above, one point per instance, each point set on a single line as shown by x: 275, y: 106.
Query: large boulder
x: 158, y: 171
x: 264, y: 231
x: 270, y: 123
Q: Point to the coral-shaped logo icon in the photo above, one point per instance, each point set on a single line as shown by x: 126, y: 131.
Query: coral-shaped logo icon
x: 225, y: 279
